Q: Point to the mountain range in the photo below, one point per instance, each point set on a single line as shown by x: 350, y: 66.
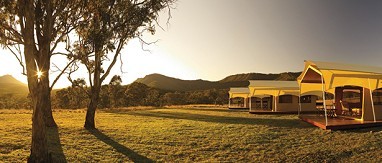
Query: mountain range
x: 239, y: 80
x: 10, y: 85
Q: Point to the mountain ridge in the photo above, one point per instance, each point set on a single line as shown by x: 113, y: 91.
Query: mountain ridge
x: 238, y: 80
x: 10, y: 85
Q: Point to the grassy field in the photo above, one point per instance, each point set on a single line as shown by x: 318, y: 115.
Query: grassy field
x: 187, y: 135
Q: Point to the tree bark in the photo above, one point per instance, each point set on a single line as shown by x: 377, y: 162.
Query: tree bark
x: 90, y: 113
x: 39, y: 148
x: 44, y: 60
x: 96, y: 88
x: 47, y: 106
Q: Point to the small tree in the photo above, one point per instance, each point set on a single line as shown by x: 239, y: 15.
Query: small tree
x: 115, y: 91
x: 108, y: 27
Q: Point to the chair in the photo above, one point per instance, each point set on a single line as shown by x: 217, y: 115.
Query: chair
x: 346, y: 110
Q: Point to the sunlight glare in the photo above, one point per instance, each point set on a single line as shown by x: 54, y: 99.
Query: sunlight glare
x: 39, y: 74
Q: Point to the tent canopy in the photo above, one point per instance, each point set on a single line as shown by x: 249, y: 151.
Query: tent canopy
x: 338, y: 75
x: 239, y: 92
x: 274, y: 88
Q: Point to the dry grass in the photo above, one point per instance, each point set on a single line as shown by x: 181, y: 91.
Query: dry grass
x: 187, y: 135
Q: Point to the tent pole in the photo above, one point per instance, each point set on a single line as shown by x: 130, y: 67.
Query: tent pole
x: 274, y: 99
x: 372, y: 102
x: 229, y: 102
x: 299, y: 99
x: 250, y: 105
x: 323, y: 100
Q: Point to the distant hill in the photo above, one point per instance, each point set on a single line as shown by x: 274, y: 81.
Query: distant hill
x: 10, y: 85
x: 239, y: 80
x: 286, y: 76
x: 169, y: 83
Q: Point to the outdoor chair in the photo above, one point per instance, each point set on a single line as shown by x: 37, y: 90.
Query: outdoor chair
x: 346, y: 110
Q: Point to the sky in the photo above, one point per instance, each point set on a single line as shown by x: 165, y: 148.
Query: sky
x: 211, y: 39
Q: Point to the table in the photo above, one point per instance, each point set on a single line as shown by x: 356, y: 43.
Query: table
x: 331, y: 111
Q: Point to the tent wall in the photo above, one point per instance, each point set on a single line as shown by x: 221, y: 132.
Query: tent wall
x: 266, y: 101
x: 378, y: 112
x: 233, y: 95
x: 367, y: 109
x: 287, y: 106
x: 244, y: 102
x: 309, y: 106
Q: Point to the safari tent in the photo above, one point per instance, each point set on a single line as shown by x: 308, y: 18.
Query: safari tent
x: 238, y: 97
x: 278, y: 96
x: 356, y: 91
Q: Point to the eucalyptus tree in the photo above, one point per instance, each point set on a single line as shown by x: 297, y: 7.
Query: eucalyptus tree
x: 110, y: 25
x: 32, y: 30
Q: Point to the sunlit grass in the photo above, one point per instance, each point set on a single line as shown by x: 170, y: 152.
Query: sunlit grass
x: 187, y: 135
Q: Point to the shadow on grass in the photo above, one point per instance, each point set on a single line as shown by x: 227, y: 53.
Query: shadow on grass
x: 275, y: 122
x: 364, y: 130
x: 216, y: 110
x: 135, y: 157
x: 54, y: 145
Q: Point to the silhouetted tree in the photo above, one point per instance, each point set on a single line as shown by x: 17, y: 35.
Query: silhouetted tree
x: 110, y: 25
x: 116, y: 91
x: 135, y: 94
x: 152, y: 98
x: 39, y: 26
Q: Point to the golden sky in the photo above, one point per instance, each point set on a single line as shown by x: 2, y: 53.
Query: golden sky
x: 211, y: 39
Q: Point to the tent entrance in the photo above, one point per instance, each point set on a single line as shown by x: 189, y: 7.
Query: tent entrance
x: 349, y: 101
x: 262, y: 103
x: 238, y: 102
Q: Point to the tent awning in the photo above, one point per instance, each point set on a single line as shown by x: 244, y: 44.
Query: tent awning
x: 238, y: 92
x: 274, y: 88
x: 338, y: 75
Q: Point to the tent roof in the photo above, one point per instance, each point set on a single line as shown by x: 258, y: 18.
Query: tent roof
x: 339, y: 75
x: 271, y: 84
x: 272, y: 87
x: 239, y: 90
x: 345, y: 67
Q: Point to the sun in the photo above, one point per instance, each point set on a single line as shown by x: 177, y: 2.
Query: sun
x: 39, y: 74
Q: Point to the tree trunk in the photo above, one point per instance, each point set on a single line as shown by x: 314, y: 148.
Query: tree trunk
x: 90, y: 113
x: 47, y: 106
x: 49, y: 120
x: 39, y: 148
x: 96, y: 88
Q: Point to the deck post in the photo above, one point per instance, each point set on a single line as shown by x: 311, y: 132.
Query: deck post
x: 274, y: 99
x: 261, y: 103
x: 323, y: 100
x: 299, y: 99
x: 229, y: 102
x: 250, y: 105
x: 371, y: 99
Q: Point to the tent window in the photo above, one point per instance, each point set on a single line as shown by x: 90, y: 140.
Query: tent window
x: 351, y: 96
x: 377, y: 97
x: 306, y: 99
x: 285, y: 99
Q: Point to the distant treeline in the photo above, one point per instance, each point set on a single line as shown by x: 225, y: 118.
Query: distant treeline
x: 114, y: 96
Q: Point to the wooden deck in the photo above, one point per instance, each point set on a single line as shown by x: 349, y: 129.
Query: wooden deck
x: 278, y: 112
x: 238, y: 108
x: 338, y: 123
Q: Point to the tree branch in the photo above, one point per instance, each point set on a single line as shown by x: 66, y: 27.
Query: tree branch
x: 62, y: 72
x: 119, y: 48
x: 19, y: 59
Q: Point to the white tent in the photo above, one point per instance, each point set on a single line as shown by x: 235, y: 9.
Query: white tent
x: 266, y: 88
x: 327, y: 76
x: 234, y: 92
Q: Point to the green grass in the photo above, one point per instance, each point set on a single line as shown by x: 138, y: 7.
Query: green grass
x: 187, y: 135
